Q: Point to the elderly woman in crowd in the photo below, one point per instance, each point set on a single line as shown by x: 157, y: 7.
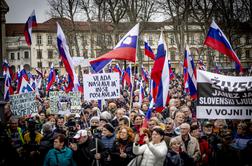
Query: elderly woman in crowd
x: 60, y: 154
x: 176, y: 157
x: 154, y: 151
x: 121, y: 153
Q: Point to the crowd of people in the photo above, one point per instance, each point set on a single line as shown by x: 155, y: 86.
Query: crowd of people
x: 114, y: 135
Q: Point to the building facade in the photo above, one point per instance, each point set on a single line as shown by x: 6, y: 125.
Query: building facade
x: 97, y: 38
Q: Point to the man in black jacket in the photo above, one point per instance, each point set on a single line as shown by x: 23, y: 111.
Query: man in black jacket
x: 88, y: 151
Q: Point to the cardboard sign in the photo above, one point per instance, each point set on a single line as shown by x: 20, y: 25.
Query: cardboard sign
x: 101, y: 86
x: 65, y: 103
x: 223, y: 97
x: 23, y: 104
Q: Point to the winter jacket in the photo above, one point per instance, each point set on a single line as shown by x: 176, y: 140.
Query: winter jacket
x: 153, y: 154
x: 85, y: 154
x: 46, y: 143
x: 63, y: 157
x: 108, y: 141
x: 193, y: 148
x: 177, y: 159
x: 115, y: 153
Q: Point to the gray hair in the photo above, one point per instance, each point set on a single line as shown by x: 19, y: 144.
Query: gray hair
x: 47, y: 127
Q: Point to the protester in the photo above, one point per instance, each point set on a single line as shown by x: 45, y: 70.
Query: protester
x: 154, y: 151
x: 190, y: 145
x: 121, y: 153
x: 176, y: 157
x: 104, y: 136
x: 60, y: 154
x: 87, y: 150
x: 108, y: 138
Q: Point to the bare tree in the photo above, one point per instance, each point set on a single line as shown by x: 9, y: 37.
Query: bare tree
x: 66, y: 9
x: 178, y: 16
x: 71, y: 7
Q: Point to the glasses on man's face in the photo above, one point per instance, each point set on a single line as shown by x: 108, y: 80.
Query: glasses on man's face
x: 151, y: 124
x: 170, y: 123
x: 95, y: 122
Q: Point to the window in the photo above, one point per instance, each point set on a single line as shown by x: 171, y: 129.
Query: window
x: 192, y: 41
x: 247, y: 53
x: 26, y: 55
x: 39, y: 40
x: 150, y: 40
x: 18, y: 56
x: 201, y: 38
x: 173, y: 54
x: 39, y: 64
x: 60, y: 64
x: 12, y: 56
x: 98, y: 53
x: 172, y: 40
x: 248, y: 40
x: 49, y: 64
x: 108, y: 40
x: 84, y: 40
x: 99, y: 40
x: 39, y: 54
x: 19, y: 67
x: 49, y: 40
x: 50, y: 54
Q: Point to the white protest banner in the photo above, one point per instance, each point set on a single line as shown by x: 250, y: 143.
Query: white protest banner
x: 223, y: 97
x: 101, y: 86
x: 23, y: 104
x: 65, y: 103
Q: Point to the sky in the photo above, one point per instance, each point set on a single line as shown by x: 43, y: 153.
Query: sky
x: 20, y: 10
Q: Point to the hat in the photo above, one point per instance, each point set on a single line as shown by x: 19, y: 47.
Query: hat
x: 80, y: 133
x: 207, y: 123
x: 109, y: 127
x: 103, y: 119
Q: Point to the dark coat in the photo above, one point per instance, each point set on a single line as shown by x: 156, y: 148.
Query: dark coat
x: 115, y: 153
x: 181, y: 159
x: 85, y: 154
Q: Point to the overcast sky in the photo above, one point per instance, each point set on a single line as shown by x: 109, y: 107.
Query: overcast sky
x: 20, y: 10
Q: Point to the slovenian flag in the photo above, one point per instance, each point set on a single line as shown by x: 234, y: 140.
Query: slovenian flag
x: 144, y: 75
x: 51, y: 78
x: 201, y: 64
x: 141, y: 93
x: 31, y: 22
x: 73, y: 83
x: 148, y: 114
x: 172, y: 75
x: 127, y: 77
x: 8, y: 90
x: 25, y: 87
x: 22, y: 74
x: 117, y: 68
x: 124, y: 50
x: 160, y: 74
x: 217, y: 40
x: 147, y: 50
x: 190, y: 81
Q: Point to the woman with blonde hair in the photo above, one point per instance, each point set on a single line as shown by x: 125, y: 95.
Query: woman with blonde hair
x: 121, y: 153
x: 176, y: 157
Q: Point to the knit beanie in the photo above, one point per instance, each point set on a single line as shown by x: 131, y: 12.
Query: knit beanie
x: 109, y: 127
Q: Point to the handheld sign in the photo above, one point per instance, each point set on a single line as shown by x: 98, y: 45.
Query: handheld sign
x: 23, y: 104
x: 65, y: 103
x: 223, y: 97
x: 101, y: 86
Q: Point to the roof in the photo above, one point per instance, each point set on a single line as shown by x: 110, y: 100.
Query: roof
x: 49, y: 26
